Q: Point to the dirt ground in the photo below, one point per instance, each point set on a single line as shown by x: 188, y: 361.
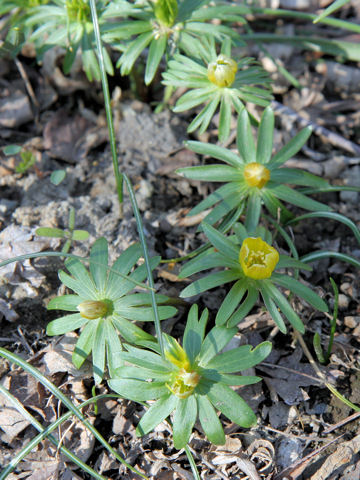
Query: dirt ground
x: 303, y: 431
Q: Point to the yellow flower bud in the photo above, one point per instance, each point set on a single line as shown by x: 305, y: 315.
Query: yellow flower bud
x: 222, y: 72
x: 257, y: 258
x: 175, y: 353
x: 256, y: 175
x: 92, y: 309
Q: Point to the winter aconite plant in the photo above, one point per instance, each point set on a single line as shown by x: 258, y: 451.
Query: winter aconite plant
x: 252, y: 263
x: 165, y: 26
x: 254, y: 177
x: 192, y: 381
x: 217, y: 80
x: 104, y: 306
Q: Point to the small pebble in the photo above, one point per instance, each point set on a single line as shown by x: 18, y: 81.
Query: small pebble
x: 343, y: 301
x: 350, y: 321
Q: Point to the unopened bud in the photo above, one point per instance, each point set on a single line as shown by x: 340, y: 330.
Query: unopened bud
x: 222, y: 72
x: 92, y: 309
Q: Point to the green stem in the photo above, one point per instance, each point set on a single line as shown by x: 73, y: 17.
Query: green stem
x: 333, y: 320
x: 147, y: 262
x: 192, y: 463
x: 46, y: 433
x: 109, y: 118
x: 12, y: 357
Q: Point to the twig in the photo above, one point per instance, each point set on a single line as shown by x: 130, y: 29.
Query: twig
x: 337, y: 425
x: 27, y: 83
x: 332, y: 137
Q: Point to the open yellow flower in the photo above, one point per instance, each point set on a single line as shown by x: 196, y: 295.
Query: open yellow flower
x: 257, y: 258
x: 222, y: 72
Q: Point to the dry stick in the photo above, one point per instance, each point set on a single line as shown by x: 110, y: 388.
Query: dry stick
x: 337, y: 425
x: 27, y: 83
x: 332, y: 137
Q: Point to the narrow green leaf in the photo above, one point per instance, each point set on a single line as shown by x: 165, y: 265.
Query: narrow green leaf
x: 156, y: 51
x: 132, y: 333
x: 240, y: 358
x: 301, y: 290
x: 82, y: 282
x: 244, y: 308
x: 224, y: 119
x: 184, y: 420
x: 156, y: 414
x: 331, y: 9
x: 80, y: 235
x: 214, y: 342
x: 113, y: 347
x: 133, y: 51
x: 99, y: 263
x: 296, y: 198
x: 209, y: 421
x: 244, y: 139
x: 202, y: 120
x: 296, y: 176
x: 291, y: 148
x: 231, y: 301
x: 288, y: 262
x: 138, y: 390
x: 221, y: 243
x: 85, y: 343
x: 272, y: 308
x: 194, y: 332
x: 50, y: 232
x: 65, y: 324
x: 212, y: 173
x: 331, y: 216
x: 265, y: 136
x: 144, y: 358
x: 215, y: 151
x: 253, y: 212
x: 98, y: 353
x: 285, y: 307
x: 124, y: 263
x: 208, y: 282
x: 231, y: 405
x: 65, y: 302
x: 321, y: 254
x: 229, y: 190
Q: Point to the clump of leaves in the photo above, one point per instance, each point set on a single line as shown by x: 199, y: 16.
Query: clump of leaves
x: 70, y: 235
x: 165, y: 26
x: 254, y: 176
x: 217, y: 80
x: 68, y: 24
x: 191, y: 381
x: 105, y: 307
x: 251, y: 262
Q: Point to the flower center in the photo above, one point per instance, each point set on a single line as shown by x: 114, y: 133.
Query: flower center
x: 92, y: 309
x: 257, y: 258
x: 222, y: 72
x: 184, y: 383
x: 256, y: 175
